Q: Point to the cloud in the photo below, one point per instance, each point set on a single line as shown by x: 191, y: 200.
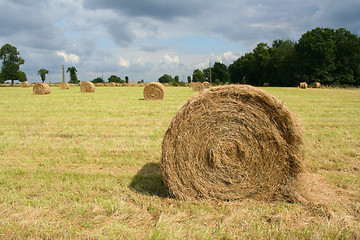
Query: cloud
x: 123, y: 63
x: 73, y: 58
x: 170, y: 59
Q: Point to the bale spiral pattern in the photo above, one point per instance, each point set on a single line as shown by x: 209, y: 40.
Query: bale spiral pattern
x: 153, y: 91
x: 41, y: 89
x: 229, y: 143
x: 87, y: 87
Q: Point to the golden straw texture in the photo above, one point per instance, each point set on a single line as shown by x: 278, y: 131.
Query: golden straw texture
x: 316, y: 85
x: 41, y: 89
x: 153, y: 91
x: 25, y: 84
x: 64, y: 85
x: 87, y: 87
x: 303, y: 85
x: 229, y: 143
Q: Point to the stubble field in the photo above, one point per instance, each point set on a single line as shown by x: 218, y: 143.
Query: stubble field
x: 86, y: 166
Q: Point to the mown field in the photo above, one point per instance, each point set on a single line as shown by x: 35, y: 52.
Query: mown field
x: 86, y: 166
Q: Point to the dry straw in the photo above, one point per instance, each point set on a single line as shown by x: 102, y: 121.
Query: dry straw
x: 87, y: 87
x: 64, y: 85
x: 153, y: 91
x: 316, y: 85
x: 206, y: 84
x: 25, y: 85
x: 41, y: 89
x: 111, y: 84
x: 197, y: 86
x: 232, y: 142
x: 303, y: 85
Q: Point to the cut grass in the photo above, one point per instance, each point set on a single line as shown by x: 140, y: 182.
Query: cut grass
x: 85, y: 165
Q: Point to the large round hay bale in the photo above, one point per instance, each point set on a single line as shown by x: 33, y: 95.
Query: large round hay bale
x: 197, y: 86
x: 25, y: 84
x: 206, y: 84
x: 64, y: 85
x: 303, y: 85
x: 153, y: 91
x: 87, y: 87
x: 41, y: 89
x: 316, y: 85
x: 232, y: 142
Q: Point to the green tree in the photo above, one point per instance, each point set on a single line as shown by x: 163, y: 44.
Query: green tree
x: 316, y: 50
x: 42, y: 72
x: 198, y: 76
x: 281, y: 69
x: 126, y: 79
x: 116, y: 79
x: 10, y: 63
x: 73, y: 76
x: 22, y: 76
x: 189, y: 79
x: 220, y: 72
x: 165, y: 78
x: 98, y: 80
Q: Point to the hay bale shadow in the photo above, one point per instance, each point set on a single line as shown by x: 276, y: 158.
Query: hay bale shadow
x: 149, y: 181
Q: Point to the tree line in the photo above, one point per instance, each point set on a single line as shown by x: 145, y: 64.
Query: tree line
x: 325, y: 55
x: 328, y: 56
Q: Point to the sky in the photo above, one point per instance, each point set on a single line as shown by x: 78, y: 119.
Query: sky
x: 145, y: 39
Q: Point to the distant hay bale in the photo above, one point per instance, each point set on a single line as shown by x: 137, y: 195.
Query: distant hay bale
x: 232, y: 142
x: 197, y: 86
x: 99, y: 84
x: 111, y: 84
x: 316, y: 85
x: 25, y: 85
x: 303, y: 85
x: 206, y: 84
x: 266, y: 84
x: 87, y: 87
x: 64, y: 85
x: 41, y: 89
x: 153, y: 91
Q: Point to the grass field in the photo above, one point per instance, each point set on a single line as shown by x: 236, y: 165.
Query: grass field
x: 86, y: 166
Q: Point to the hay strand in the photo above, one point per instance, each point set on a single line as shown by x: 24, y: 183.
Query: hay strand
x: 303, y: 85
x: 25, y: 84
x: 153, y: 91
x: 64, y: 85
x: 206, y: 84
x: 232, y: 142
x: 316, y: 85
x: 197, y: 86
x: 87, y: 87
x: 41, y: 89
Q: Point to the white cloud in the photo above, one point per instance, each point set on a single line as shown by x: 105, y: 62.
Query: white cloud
x: 170, y: 59
x: 68, y: 57
x: 123, y: 63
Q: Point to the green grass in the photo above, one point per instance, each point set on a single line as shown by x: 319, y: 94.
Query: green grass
x: 86, y: 166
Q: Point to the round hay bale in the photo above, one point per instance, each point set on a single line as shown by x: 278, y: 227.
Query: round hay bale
x: 266, y: 84
x: 206, y: 84
x: 316, y: 85
x: 41, y: 89
x: 25, y: 84
x: 191, y: 84
x: 197, y: 86
x: 153, y: 91
x: 64, y: 85
x: 232, y: 142
x: 111, y: 84
x: 87, y: 87
x: 303, y: 85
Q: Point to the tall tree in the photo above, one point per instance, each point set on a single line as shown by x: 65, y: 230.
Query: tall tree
x: 22, y: 76
x: 198, y: 76
x: 166, y: 78
x: 42, y: 72
x: 73, y: 76
x: 316, y: 51
x: 10, y: 63
x: 220, y: 73
x: 116, y: 79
